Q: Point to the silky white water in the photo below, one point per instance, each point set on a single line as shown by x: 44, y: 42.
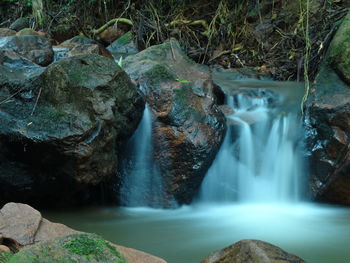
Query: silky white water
x: 141, y: 185
x: 260, y: 159
x: 252, y: 191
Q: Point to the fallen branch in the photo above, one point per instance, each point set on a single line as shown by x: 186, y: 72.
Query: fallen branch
x: 202, y: 23
x: 110, y: 23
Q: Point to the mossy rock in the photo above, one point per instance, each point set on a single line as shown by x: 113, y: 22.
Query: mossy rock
x: 82, y: 248
x: 339, y: 51
x: 159, y: 73
x: 26, y: 32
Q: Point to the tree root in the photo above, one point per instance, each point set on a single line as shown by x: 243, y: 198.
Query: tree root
x: 110, y: 23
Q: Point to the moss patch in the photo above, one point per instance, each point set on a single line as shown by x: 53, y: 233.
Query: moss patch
x: 92, y: 247
x: 4, y: 256
x: 78, y: 248
x: 159, y: 73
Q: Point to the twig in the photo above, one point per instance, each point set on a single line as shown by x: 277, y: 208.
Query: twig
x: 36, y: 102
x: 111, y: 22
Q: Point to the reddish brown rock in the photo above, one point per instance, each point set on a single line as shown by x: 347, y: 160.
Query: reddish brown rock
x: 189, y: 128
x: 6, y: 32
x: 112, y: 33
x: 19, y: 222
x: 24, y: 224
x: 80, y: 45
x: 137, y: 256
x: 5, y: 248
x: 252, y: 251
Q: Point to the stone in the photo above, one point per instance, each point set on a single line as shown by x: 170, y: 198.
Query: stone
x: 20, y: 23
x: 5, y: 248
x: 189, y: 128
x: 137, y: 256
x: 6, y: 32
x: 31, y: 32
x: 339, y: 50
x: 19, y: 222
x: 81, y: 247
x: 111, y: 33
x: 89, y: 49
x: 80, y: 45
x: 61, y: 130
x: 123, y: 46
x: 34, y: 48
x: 327, y: 122
x: 251, y: 251
x: 16, y: 221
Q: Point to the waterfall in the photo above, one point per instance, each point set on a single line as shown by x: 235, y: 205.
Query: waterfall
x: 260, y: 158
x: 141, y: 184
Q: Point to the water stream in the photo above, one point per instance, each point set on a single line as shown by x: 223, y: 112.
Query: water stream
x: 260, y: 159
x: 252, y: 191
x: 142, y: 185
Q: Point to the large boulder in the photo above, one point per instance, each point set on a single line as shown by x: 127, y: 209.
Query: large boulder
x: 328, y: 123
x: 40, y: 240
x: 251, y: 251
x: 35, y: 48
x: 188, y: 128
x: 59, y: 130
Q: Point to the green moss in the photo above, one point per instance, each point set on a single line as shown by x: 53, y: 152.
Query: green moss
x: 92, y: 247
x: 4, y: 256
x: 124, y: 39
x: 159, y: 73
x: 78, y: 248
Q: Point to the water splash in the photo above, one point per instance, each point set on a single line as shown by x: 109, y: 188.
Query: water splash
x: 141, y: 185
x: 260, y: 159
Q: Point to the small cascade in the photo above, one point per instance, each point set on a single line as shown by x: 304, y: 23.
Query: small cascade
x: 141, y: 184
x: 260, y: 159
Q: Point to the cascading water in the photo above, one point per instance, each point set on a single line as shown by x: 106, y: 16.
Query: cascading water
x: 141, y: 185
x: 260, y: 159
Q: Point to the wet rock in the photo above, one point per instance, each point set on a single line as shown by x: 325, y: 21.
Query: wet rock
x: 327, y: 123
x: 123, y: 46
x: 189, y: 128
x: 6, y: 32
x: 251, y: 251
x: 34, y: 48
x: 20, y: 23
x: 59, y: 130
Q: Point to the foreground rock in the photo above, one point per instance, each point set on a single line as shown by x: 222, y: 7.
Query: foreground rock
x: 60, y: 129
x: 328, y: 124
x: 40, y: 240
x: 252, y: 251
x: 189, y: 128
x: 35, y: 48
